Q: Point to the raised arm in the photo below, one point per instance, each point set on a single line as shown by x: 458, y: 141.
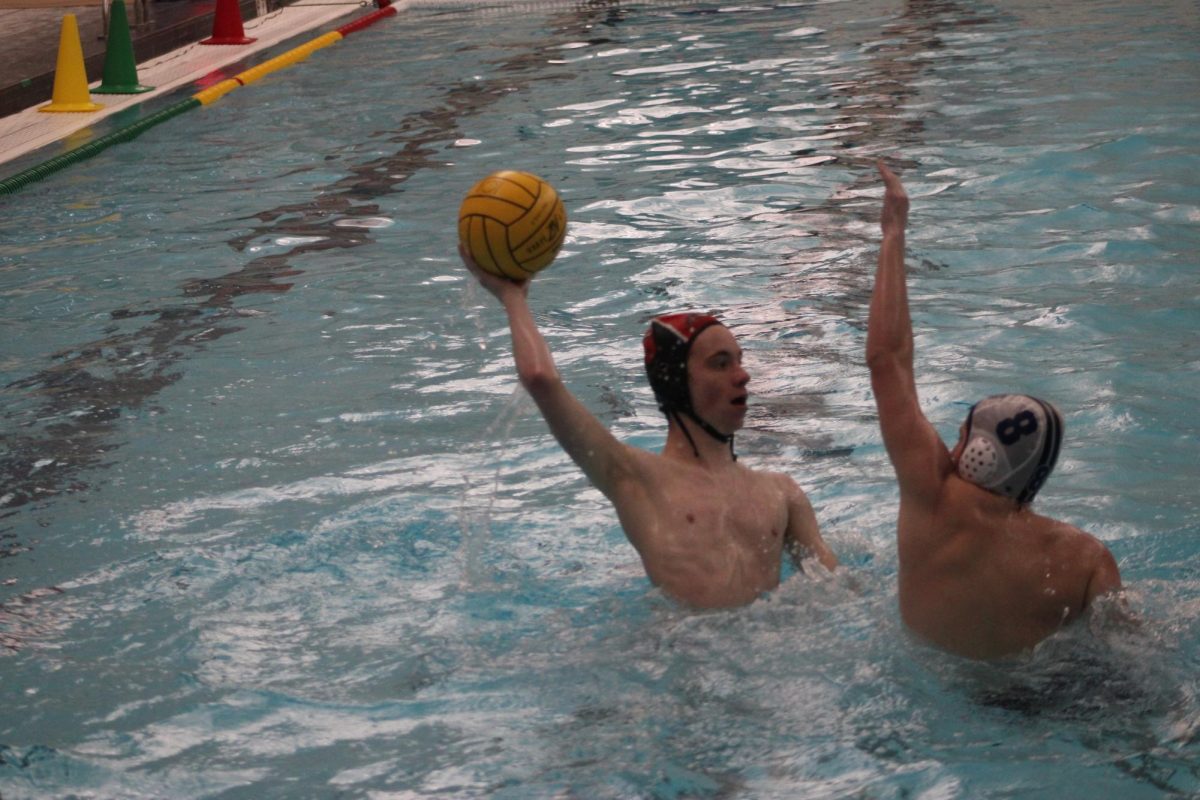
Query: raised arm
x: 603, y: 459
x: 917, y: 453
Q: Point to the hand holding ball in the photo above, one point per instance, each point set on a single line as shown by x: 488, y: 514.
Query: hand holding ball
x: 512, y: 224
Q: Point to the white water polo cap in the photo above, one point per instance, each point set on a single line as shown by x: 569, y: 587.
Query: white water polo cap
x: 1012, y: 444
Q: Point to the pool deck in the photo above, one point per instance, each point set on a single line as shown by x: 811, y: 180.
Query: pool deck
x: 165, y: 34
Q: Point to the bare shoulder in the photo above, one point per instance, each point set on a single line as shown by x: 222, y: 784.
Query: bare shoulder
x: 1077, y: 540
x: 1105, y: 576
x: 642, y: 465
x: 780, y: 482
x: 794, y: 499
x: 1091, y: 556
x: 770, y: 490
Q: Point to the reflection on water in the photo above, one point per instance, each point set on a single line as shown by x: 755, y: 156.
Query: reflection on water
x: 266, y: 480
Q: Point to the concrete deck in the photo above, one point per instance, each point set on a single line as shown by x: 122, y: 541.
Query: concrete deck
x: 166, y: 49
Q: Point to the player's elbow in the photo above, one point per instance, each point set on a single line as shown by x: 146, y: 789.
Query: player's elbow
x: 825, y: 557
x: 876, y: 356
x: 538, y: 380
x: 829, y: 560
x: 887, y: 357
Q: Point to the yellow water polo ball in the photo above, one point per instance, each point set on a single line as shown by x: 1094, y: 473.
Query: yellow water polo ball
x: 512, y: 223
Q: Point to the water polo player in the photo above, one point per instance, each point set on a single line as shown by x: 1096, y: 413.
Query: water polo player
x: 981, y: 574
x: 710, y: 531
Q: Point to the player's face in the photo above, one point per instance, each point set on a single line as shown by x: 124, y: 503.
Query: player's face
x: 717, y: 380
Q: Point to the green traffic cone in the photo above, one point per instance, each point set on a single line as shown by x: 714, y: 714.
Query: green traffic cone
x: 120, y: 69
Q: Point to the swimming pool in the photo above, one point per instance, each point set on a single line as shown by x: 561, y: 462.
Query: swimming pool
x: 276, y: 523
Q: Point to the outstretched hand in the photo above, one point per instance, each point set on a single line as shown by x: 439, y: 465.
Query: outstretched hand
x: 895, y: 202
x: 500, y: 287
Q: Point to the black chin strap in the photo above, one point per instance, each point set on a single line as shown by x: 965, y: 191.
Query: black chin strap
x: 704, y: 426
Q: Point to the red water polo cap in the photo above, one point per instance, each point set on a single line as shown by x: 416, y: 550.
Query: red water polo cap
x: 667, y: 344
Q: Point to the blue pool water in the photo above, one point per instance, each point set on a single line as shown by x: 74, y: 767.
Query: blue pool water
x: 275, y: 523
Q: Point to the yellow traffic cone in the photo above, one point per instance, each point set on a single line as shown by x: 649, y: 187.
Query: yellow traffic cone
x: 70, y: 78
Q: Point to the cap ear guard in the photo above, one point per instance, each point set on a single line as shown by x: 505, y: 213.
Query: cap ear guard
x: 979, y: 461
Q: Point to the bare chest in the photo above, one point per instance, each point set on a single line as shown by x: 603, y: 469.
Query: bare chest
x: 736, y: 514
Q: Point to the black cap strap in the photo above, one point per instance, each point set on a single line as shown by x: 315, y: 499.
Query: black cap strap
x: 704, y: 426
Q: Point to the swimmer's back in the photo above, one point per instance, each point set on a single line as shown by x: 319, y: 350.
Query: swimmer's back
x: 984, y: 578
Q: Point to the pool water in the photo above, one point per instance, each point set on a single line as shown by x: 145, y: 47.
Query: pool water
x: 275, y: 521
